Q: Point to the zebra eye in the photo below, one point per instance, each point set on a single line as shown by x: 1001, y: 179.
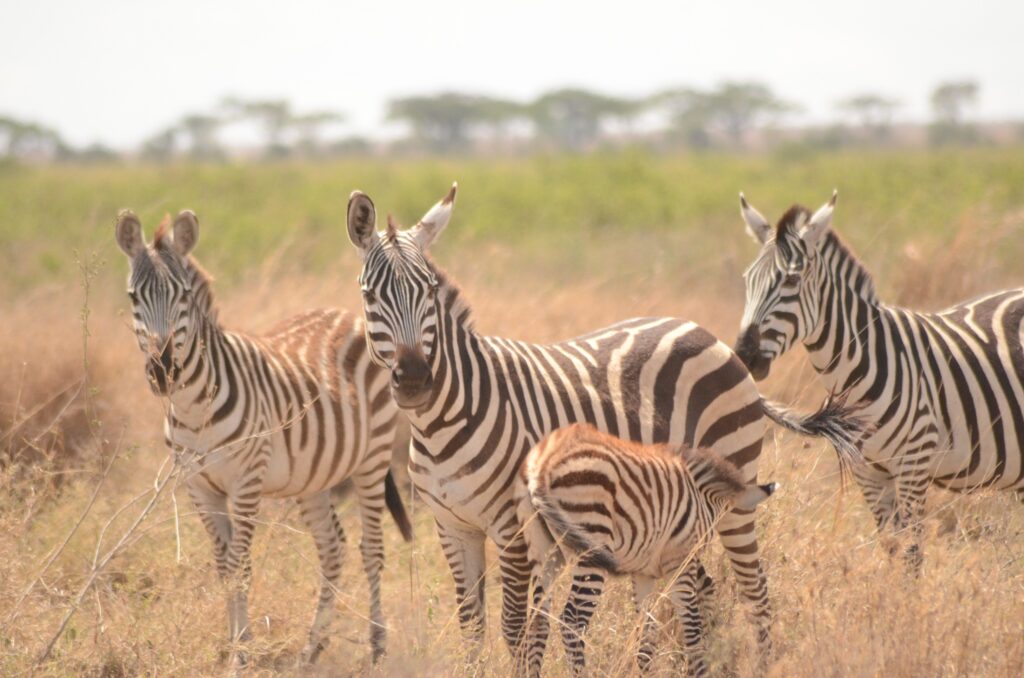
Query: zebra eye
x: 133, y: 296
x: 368, y: 296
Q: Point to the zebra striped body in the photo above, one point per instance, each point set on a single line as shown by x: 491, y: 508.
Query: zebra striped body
x: 646, y: 511
x: 288, y: 414
x: 942, y: 392
x: 477, y: 405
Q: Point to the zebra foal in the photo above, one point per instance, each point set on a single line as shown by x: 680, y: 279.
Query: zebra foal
x: 941, y: 394
x: 290, y: 413
x: 625, y: 508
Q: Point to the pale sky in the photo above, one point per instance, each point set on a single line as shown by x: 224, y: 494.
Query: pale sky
x: 116, y: 71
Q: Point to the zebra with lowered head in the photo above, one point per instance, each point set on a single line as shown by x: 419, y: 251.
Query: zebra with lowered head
x: 642, y: 510
x: 477, y: 404
x: 290, y: 413
x: 941, y: 393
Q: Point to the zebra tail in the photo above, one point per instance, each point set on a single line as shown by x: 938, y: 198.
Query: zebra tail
x: 833, y: 421
x: 563, y: 530
x: 393, y: 499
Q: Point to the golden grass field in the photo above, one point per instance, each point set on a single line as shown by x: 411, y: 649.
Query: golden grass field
x: 843, y: 607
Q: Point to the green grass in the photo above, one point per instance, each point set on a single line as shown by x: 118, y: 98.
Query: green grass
x: 563, y: 211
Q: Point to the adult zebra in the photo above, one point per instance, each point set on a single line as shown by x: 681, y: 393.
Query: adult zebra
x: 477, y: 405
x: 940, y: 392
x: 288, y: 414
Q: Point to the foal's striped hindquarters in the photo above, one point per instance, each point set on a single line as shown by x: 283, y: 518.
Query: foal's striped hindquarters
x: 942, y: 393
x: 624, y: 508
x: 477, y: 405
x: 291, y: 413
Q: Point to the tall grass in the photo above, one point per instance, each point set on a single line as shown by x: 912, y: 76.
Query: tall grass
x: 544, y: 248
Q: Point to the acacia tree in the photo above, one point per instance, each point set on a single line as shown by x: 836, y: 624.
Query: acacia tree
x: 444, y: 122
x: 727, y: 112
x: 201, y: 131
x: 573, y: 118
x: 309, y: 127
x: 273, y: 115
x: 22, y: 139
x: 873, y: 114
x: 949, y: 103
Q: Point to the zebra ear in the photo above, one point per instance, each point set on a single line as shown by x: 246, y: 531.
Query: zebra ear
x: 186, y: 232
x: 434, y: 221
x: 820, y: 222
x: 128, y: 233
x: 757, y: 226
x: 754, y: 495
x: 362, y: 222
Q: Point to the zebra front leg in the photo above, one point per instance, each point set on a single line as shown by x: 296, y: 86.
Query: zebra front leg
x: 320, y: 519
x: 685, y: 595
x: 370, y: 491
x: 643, y: 598
x: 245, y: 505
x: 464, y: 551
x: 584, y: 595
x: 516, y: 569
x: 736, y: 530
x: 213, y: 511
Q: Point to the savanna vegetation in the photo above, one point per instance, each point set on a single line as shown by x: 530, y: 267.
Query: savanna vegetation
x: 545, y: 247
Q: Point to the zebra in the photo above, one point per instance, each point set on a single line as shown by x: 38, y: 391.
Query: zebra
x: 287, y: 414
x: 643, y: 510
x: 477, y: 404
x: 941, y: 393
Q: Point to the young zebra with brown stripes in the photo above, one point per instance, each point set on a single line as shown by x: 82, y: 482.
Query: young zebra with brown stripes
x: 477, y: 404
x: 642, y: 510
x: 942, y: 392
x: 291, y: 413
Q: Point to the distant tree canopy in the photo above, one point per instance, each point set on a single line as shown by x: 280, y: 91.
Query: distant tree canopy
x: 572, y: 118
x: 872, y: 112
x: 445, y: 122
x: 729, y: 111
x: 24, y: 139
x: 950, y: 101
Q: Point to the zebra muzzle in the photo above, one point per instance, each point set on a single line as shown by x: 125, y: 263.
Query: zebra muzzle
x: 748, y: 349
x: 411, y: 380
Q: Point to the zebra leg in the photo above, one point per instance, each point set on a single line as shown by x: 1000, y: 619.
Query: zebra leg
x: 879, y: 489
x: 704, y: 585
x: 643, y: 588
x: 515, y: 595
x: 370, y: 490
x: 318, y: 516
x: 545, y: 569
x: 736, y: 530
x: 245, y: 506
x: 213, y: 511
x: 685, y: 595
x: 464, y: 551
x: 584, y: 595
x: 911, y: 484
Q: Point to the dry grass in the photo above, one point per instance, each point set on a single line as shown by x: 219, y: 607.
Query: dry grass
x: 842, y: 606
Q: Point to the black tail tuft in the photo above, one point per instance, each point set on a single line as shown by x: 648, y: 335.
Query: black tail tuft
x: 562, y: 528
x: 834, y: 421
x: 393, y: 499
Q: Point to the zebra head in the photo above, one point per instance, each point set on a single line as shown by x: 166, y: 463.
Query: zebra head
x: 399, y: 286
x: 160, y: 283
x: 782, y: 297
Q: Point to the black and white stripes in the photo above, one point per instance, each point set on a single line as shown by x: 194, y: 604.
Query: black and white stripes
x: 288, y: 414
x: 943, y: 393
x: 615, y: 506
x: 477, y: 405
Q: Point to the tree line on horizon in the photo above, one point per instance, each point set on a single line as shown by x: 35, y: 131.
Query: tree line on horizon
x: 731, y: 116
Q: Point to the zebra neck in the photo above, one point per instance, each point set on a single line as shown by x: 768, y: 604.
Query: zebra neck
x: 849, y: 316
x: 200, y: 385
x: 455, y: 365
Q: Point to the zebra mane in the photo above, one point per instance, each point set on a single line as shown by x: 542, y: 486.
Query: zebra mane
x: 453, y: 303
x: 786, y: 245
x: 721, y: 470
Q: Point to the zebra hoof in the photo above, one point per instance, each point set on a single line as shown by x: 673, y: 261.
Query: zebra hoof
x: 312, y: 652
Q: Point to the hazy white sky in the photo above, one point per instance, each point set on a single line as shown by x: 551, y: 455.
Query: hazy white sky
x: 116, y: 71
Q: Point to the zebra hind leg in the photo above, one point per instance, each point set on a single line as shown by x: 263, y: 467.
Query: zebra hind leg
x: 643, y: 588
x: 910, y: 493
x: 320, y: 519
